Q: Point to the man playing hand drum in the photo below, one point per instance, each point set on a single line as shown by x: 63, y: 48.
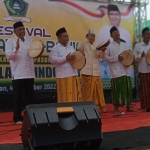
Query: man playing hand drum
x: 92, y: 88
x: 120, y: 74
x: 68, y: 86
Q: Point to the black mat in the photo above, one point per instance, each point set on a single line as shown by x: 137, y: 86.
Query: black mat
x: 120, y: 139
x: 126, y: 139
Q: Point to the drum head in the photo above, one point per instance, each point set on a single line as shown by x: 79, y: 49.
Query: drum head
x: 104, y: 44
x: 79, y: 62
x: 148, y: 56
x: 36, y: 49
x: 128, y: 58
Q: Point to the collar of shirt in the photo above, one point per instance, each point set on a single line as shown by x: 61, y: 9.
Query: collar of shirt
x: 20, y: 39
x: 116, y: 42
x: 59, y: 44
x: 91, y: 44
x: 144, y: 43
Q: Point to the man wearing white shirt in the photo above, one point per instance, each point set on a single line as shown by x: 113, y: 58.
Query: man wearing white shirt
x: 68, y: 86
x: 114, y: 17
x: 140, y: 51
x: 92, y: 88
x: 22, y: 69
x: 120, y: 74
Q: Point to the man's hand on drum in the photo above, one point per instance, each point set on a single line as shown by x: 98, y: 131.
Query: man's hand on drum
x: 120, y: 58
x: 70, y: 57
x: 143, y: 54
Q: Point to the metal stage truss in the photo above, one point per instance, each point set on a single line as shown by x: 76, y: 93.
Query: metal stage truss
x: 140, y: 13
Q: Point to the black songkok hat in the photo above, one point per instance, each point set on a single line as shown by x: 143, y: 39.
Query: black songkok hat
x: 144, y: 30
x: 112, y: 7
x: 113, y: 29
x: 18, y: 24
x: 61, y: 30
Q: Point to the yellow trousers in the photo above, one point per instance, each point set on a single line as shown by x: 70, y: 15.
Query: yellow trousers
x: 92, y: 89
x: 68, y: 89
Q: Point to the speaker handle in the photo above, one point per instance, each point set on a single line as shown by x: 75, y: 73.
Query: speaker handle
x: 61, y: 110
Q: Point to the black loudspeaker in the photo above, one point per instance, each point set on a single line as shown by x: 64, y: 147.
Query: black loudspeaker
x: 62, y: 126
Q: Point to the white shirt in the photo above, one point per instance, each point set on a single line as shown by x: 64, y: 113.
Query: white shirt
x: 104, y: 34
x: 58, y: 58
x: 22, y: 65
x: 117, y: 69
x: 143, y: 66
x: 92, y: 58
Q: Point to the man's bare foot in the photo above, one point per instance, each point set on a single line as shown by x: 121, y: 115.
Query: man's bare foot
x: 130, y: 109
x: 116, y: 109
x: 104, y: 111
x: 143, y: 110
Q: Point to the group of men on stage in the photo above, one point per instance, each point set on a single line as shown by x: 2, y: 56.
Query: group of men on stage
x: 69, y: 88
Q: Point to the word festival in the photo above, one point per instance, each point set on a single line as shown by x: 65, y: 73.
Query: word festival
x: 6, y: 31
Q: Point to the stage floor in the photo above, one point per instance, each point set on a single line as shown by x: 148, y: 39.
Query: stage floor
x: 130, y: 130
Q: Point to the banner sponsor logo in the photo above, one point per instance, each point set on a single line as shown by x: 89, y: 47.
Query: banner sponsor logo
x: 16, y: 8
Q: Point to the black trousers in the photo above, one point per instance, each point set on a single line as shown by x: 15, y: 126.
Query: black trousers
x: 20, y: 86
